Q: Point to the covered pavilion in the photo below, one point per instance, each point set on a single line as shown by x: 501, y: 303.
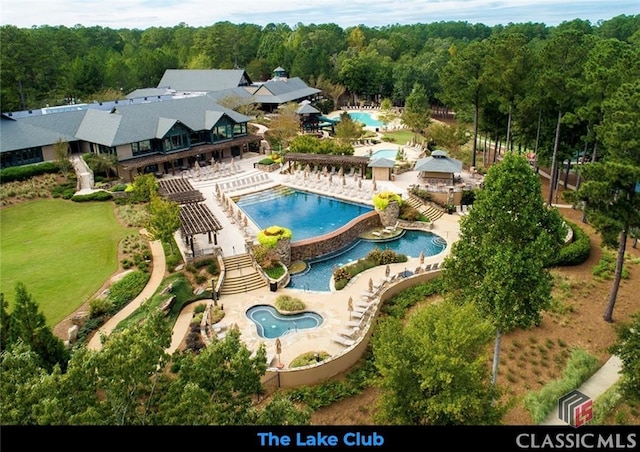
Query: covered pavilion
x: 438, y: 168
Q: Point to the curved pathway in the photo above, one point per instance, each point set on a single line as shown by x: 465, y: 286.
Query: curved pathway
x: 157, y: 275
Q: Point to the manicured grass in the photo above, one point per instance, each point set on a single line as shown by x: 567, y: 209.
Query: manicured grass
x: 401, y: 137
x: 62, y: 251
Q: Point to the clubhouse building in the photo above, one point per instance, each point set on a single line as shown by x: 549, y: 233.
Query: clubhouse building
x: 160, y: 130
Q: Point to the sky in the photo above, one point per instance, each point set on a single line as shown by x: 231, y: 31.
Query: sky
x: 142, y: 14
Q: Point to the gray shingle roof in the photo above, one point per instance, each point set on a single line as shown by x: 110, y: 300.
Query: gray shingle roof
x: 381, y: 163
x: 138, y: 122
x: 438, y: 162
x: 283, y: 91
x: 203, y: 79
x: 38, y: 131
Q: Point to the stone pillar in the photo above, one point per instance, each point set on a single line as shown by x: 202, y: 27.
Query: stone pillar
x: 283, y: 248
x: 389, y: 216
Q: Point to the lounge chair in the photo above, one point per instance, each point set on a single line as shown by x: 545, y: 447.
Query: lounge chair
x: 354, y: 323
x: 376, y: 233
x: 427, y: 267
x: 343, y: 341
x: 348, y: 332
x: 392, y: 229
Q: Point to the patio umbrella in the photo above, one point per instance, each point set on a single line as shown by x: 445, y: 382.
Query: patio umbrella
x: 217, y: 191
x: 278, y: 351
x: 370, y: 285
x: 375, y: 186
x: 350, y: 306
x: 239, y: 215
x: 344, y: 180
x: 360, y: 184
x: 340, y: 172
x: 421, y: 257
x: 387, y: 271
x: 233, y: 164
x: 246, y: 222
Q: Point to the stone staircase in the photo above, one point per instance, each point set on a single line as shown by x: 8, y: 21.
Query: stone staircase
x: 241, y: 276
x: 433, y: 212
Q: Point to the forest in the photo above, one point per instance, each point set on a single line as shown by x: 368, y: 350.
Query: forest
x: 565, y: 92
x: 529, y: 85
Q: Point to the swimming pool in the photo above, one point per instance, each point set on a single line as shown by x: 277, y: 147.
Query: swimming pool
x: 384, y: 153
x: 317, y: 276
x: 366, y: 119
x: 271, y: 324
x: 305, y: 214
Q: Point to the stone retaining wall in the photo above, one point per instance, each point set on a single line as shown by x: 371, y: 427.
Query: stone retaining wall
x: 333, y: 241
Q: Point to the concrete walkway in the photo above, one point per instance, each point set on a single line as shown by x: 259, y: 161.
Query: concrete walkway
x: 157, y: 275
x: 594, y: 387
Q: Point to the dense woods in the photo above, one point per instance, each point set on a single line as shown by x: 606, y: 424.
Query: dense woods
x: 525, y: 85
x: 567, y: 93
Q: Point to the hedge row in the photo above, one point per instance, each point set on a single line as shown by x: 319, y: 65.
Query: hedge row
x: 576, y: 252
x: 95, y: 196
x: 20, y: 173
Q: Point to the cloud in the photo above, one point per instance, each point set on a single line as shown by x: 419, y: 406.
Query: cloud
x: 165, y: 13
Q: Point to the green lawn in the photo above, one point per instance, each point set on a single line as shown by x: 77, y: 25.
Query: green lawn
x: 61, y: 250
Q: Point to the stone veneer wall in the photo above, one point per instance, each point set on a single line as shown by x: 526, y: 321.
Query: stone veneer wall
x: 333, y: 241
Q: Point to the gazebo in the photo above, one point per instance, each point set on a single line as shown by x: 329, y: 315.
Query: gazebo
x: 438, y: 168
x: 381, y: 168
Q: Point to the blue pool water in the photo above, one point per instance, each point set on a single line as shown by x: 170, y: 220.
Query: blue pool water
x: 317, y: 277
x: 384, y: 153
x: 271, y: 324
x: 305, y: 214
x: 366, y: 119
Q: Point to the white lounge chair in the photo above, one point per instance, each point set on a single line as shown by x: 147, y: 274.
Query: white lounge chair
x: 343, y: 341
x: 348, y: 332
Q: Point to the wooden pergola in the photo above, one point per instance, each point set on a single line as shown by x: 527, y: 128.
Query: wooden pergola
x: 196, y: 218
x: 344, y: 161
x: 179, y: 190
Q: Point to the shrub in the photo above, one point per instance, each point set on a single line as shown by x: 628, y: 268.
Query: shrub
x: 288, y: 303
x: 119, y: 187
x: 95, y: 196
x: 270, y: 236
x: 606, y: 267
x: 576, y: 252
x: 580, y: 366
x: 381, y: 200
x: 266, y: 161
x: 125, y: 290
x: 18, y: 173
x: 99, y: 307
x: 420, y: 193
x: 309, y: 358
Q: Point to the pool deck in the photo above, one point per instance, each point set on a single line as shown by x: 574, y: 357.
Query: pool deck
x: 333, y: 306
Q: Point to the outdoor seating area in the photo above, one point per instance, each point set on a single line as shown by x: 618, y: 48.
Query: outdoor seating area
x: 216, y: 170
x: 244, y: 183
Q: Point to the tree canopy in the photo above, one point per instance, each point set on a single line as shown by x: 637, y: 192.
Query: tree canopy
x: 433, y: 370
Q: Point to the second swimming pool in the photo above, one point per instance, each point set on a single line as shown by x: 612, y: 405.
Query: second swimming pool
x: 318, y: 274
